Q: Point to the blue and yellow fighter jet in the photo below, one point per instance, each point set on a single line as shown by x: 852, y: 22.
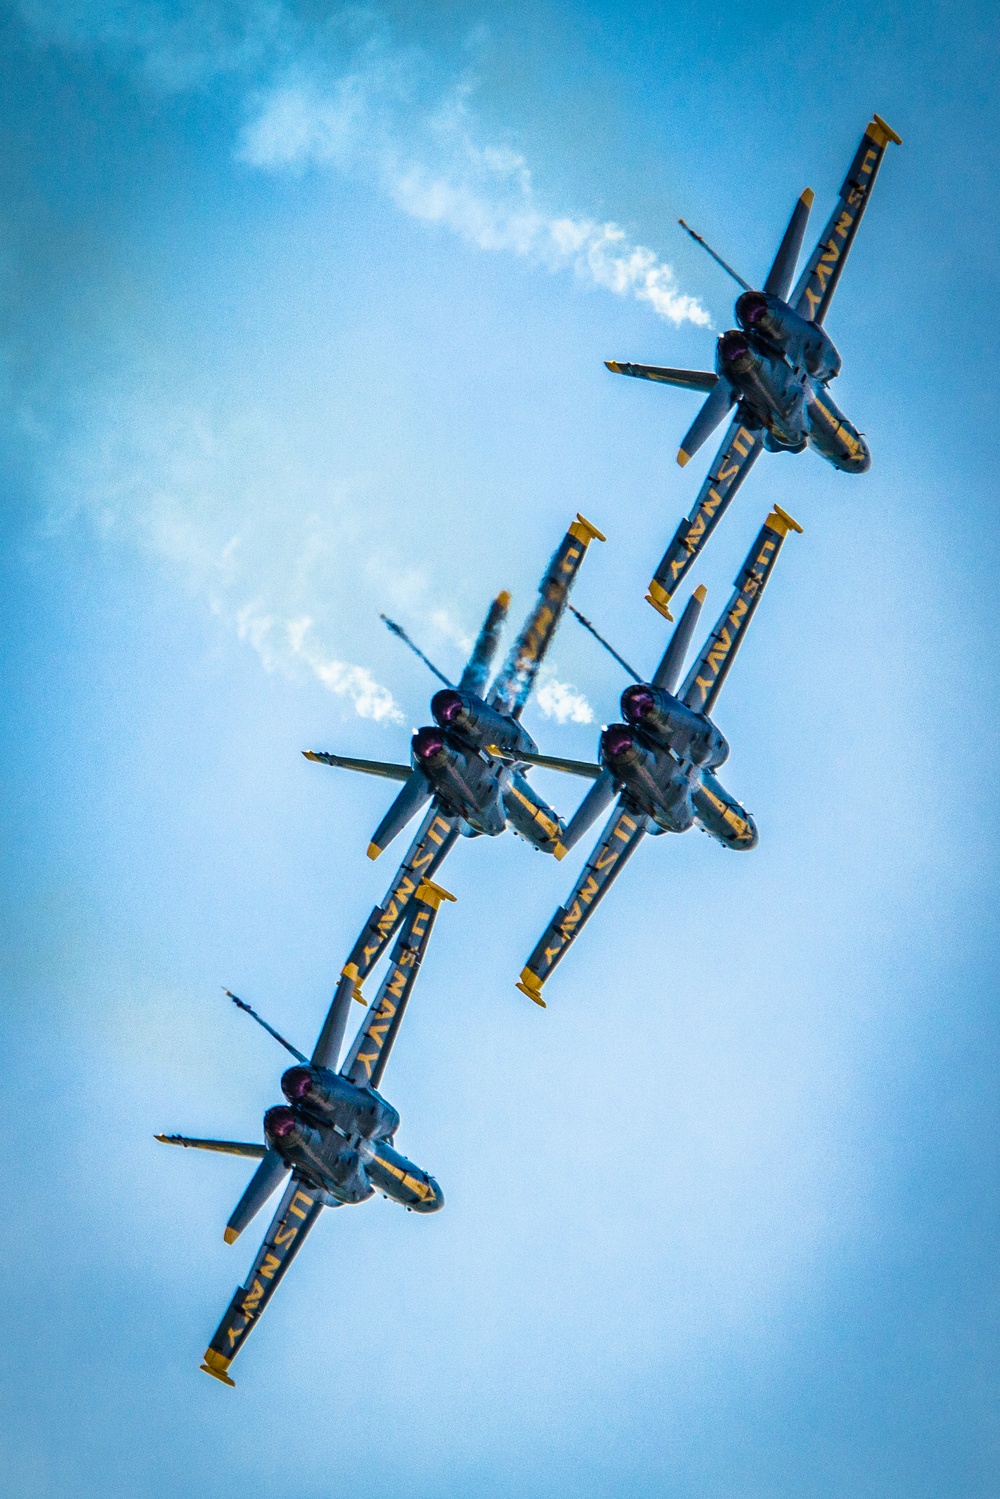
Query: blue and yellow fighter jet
x: 662, y: 762
x: 775, y: 368
x: 334, y: 1134
x: 470, y: 765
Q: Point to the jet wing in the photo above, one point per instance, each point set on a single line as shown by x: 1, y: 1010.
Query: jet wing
x: 740, y: 447
x: 516, y: 677
x: 365, y: 1062
x: 815, y: 287
x: 704, y: 681
x: 297, y: 1212
x: 687, y: 379
x: 427, y: 852
x: 617, y: 843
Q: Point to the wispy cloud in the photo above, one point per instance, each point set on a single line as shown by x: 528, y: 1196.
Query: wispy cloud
x: 195, y: 482
x: 561, y: 700
x: 434, y: 169
x: 196, y: 490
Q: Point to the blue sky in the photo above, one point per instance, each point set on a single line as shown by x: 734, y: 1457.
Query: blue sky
x: 303, y: 318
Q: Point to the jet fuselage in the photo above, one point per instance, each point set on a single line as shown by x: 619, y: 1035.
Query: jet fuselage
x: 667, y: 784
x: 488, y: 790
x: 779, y: 365
x: 348, y: 1167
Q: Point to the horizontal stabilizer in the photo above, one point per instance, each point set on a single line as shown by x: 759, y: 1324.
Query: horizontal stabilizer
x: 368, y: 767
x: 667, y: 674
x: 569, y: 767
x: 687, y: 379
x: 224, y: 1147
x: 411, y: 798
x: 265, y: 1181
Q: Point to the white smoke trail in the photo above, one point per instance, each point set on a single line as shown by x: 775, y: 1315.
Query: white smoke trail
x: 484, y: 194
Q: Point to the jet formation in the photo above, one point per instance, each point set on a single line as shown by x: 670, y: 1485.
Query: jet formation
x: 331, y: 1142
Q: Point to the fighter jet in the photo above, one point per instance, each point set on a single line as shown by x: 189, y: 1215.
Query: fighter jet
x: 662, y: 762
x: 334, y: 1134
x: 775, y: 368
x: 470, y: 765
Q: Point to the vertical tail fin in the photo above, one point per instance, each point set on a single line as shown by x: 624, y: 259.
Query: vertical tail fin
x: 477, y: 668
x: 714, y: 408
x: 265, y: 1181
x: 782, y: 272
x: 515, y: 679
x: 668, y: 672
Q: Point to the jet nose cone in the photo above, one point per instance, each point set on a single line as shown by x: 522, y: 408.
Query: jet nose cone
x: 433, y: 1202
x: 858, y: 460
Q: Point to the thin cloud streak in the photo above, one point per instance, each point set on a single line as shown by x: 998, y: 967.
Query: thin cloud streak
x: 281, y: 642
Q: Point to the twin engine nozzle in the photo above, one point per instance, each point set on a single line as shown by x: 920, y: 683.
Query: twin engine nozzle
x: 331, y: 1098
x: 618, y: 745
x: 477, y: 723
x: 772, y: 319
x: 430, y: 748
x: 351, y: 1168
x: 666, y: 720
